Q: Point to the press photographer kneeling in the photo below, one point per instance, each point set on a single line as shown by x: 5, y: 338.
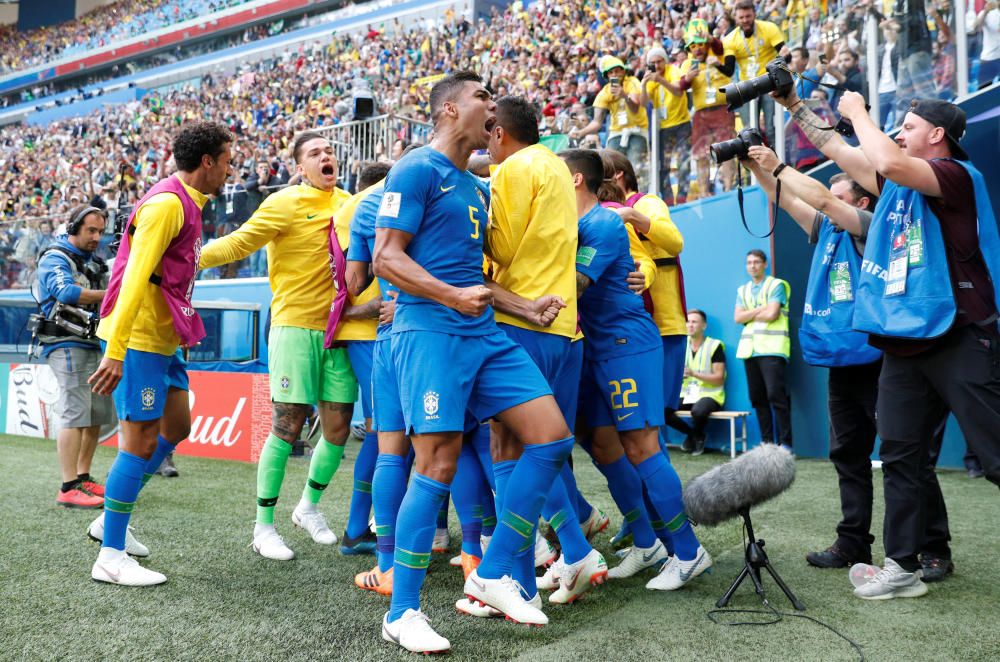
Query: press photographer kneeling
x: 925, y: 296
x: 70, y: 287
x: 837, y: 222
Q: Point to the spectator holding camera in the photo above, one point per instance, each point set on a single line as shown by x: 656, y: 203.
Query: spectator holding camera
x: 927, y: 300
x: 621, y: 98
x: 750, y: 46
x: 661, y: 89
x: 847, y: 73
x: 703, y: 73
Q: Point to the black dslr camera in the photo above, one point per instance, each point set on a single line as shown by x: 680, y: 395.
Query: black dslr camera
x: 778, y: 79
x: 738, y: 146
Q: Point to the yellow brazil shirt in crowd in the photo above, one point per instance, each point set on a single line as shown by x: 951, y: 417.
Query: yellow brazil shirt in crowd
x: 356, y: 329
x: 705, y: 86
x: 754, y: 52
x: 141, y: 319
x: 621, y: 117
x: 670, y: 109
x: 294, y: 224
x: 532, y: 234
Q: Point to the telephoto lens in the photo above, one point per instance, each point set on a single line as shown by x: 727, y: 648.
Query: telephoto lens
x: 738, y: 147
x: 778, y: 77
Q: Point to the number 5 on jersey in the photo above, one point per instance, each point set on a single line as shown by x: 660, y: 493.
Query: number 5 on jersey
x: 475, y: 222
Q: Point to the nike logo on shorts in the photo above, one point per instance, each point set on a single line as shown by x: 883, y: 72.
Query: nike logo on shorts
x: 622, y: 418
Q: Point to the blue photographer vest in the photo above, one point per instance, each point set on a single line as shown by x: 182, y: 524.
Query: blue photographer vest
x: 827, y: 335
x: 905, y: 289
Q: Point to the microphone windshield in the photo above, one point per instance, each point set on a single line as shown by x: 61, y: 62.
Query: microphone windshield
x: 721, y: 493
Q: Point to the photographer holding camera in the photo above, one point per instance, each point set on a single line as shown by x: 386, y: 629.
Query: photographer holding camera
x: 926, y: 297
x: 71, y: 283
x: 622, y: 98
x: 751, y: 45
x: 837, y: 221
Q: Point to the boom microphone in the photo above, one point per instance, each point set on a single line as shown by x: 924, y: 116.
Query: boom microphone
x: 727, y: 490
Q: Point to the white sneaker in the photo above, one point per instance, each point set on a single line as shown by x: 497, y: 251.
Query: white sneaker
x: 442, y: 541
x: 638, y: 558
x: 413, y: 632
x: 675, y: 573
x: 507, y: 596
x: 577, y: 578
x: 550, y: 580
x: 473, y: 608
x: 544, y: 552
x: 132, y: 546
x: 596, y: 523
x: 114, y: 566
x: 455, y: 561
x: 270, y: 545
x: 314, y: 523
x: 892, y: 581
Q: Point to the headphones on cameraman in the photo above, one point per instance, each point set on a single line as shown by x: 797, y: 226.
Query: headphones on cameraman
x: 76, y: 221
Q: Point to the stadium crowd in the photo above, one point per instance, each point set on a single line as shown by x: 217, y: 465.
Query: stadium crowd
x: 549, y: 52
x: 105, y: 25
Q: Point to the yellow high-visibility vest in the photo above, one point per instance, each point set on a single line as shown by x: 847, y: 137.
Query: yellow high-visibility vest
x: 765, y: 338
x: 692, y: 388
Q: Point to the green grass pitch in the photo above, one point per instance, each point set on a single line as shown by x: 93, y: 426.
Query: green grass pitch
x: 222, y: 602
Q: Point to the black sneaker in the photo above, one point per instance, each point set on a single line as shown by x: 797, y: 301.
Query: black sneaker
x: 936, y: 569
x: 834, y: 557
x: 699, y: 445
x: 688, y: 445
x: 363, y: 544
x: 167, y: 468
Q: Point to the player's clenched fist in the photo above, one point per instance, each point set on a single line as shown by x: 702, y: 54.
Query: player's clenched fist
x: 546, y: 309
x: 473, y: 301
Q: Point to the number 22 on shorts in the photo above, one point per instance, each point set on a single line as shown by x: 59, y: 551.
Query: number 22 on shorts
x: 623, y: 389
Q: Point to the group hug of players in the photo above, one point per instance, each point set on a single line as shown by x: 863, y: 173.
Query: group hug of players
x: 479, y: 319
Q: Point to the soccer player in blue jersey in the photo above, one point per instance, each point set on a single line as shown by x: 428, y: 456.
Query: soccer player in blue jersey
x: 449, y: 356
x: 623, y: 388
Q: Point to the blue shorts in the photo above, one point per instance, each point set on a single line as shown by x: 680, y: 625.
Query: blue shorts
x: 626, y: 392
x: 440, y: 376
x: 360, y: 354
x: 674, y: 350
x: 141, y: 395
x: 560, y: 361
x: 387, y: 415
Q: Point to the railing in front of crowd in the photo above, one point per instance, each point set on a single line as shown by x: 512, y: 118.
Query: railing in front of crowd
x: 363, y: 141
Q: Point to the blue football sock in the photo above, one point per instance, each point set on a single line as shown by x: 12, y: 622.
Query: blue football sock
x: 534, y: 476
x: 414, y: 539
x: 120, y: 492
x: 388, y: 488
x: 481, y: 442
x: 501, y: 473
x: 489, y: 513
x: 659, y: 526
x: 626, y: 489
x: 467, y: 492
x: 523, y: 568
x: 361, y: 497
x: 561, y: 516
x: 442, y: 515
x: 580, y: 505
x: 665, y: 492
x: 163, y: 449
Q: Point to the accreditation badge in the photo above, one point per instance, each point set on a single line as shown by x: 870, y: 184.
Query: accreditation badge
x: 840, y: 283
x: 895, y: 285
x: 915, y: 243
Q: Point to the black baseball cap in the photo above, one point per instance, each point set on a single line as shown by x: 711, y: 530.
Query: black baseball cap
x: 946, y: 115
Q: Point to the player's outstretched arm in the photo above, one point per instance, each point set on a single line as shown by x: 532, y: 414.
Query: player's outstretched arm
x: 393, y: 264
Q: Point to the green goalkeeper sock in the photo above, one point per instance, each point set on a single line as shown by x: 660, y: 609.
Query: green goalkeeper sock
x: 325, y: 461
x: 270, y: 474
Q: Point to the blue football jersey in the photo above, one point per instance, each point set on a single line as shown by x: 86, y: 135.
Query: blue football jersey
x: 445, y: 209
x: 612, y: 317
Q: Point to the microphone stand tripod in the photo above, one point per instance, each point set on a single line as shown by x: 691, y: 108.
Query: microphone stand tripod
x: 756, y: 559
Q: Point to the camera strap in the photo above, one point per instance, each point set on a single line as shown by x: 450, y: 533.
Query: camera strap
x: 739, y: 198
